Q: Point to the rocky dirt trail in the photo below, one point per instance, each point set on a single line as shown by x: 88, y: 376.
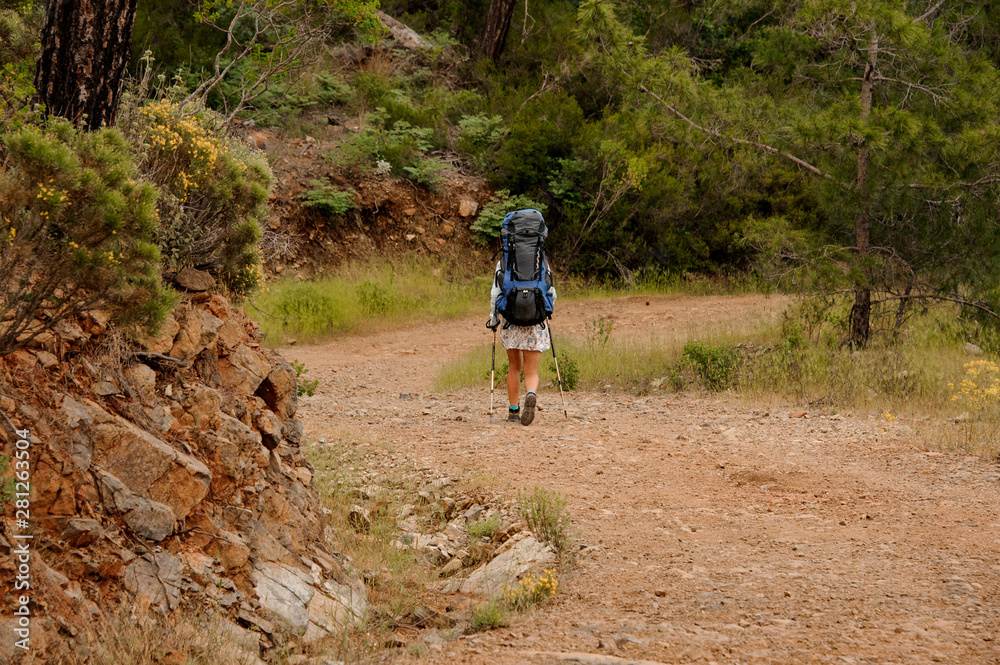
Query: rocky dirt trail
x: 709, y: 530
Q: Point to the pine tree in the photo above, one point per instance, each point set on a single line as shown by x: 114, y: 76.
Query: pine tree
x: 85, y: 51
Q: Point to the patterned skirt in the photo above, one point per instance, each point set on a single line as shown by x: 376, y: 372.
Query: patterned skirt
x: 525, y: 338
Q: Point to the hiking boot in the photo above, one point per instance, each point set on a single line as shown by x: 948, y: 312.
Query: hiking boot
x: 513, y: 416
x: 528, y: 412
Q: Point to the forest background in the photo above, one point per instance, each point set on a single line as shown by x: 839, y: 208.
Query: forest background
x: 846, y: 149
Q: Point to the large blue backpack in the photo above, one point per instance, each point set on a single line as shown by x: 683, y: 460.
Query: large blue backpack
x: 524, y: 277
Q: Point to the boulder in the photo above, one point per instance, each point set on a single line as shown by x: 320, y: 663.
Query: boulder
x: 243, y: 370
x: 279, y: 390
x: 194, y: 280
x: 149, y: 466
x: 526, y: 555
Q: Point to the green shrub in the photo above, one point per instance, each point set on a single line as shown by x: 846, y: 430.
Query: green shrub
x: 491, y: 614
x: 7, y: 482
x: 400, y: 144
x: 486, y: 527
x: 304, y: 386
x: 375, y: 299
x: 716, y: 365
x: 490, y: 220
x: 545, y: 514
x: 326, y: 198
x: 568, y: 370
x: 77, y: 230
x: 426, y: 171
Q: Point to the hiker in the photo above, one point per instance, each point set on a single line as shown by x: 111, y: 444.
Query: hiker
x: 523, y: 295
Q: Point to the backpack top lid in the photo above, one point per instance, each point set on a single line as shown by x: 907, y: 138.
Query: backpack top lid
x: 526, y: 222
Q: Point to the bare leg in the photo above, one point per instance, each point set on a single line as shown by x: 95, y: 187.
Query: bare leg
x: 531, y: 361
x: 514, y: 375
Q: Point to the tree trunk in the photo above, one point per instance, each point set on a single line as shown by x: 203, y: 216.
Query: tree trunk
x: 495, y: 31
x: 85, y: 50
x: 862, y: 310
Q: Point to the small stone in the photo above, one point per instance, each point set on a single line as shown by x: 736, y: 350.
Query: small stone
x: 360, y: 519
x: 420, y: 230
x: 409, y: 212
x: 46, y: 359
x: 972, y: 349
x: 105, y: 388
x: 660, y: 593
x: 142, y: 377
x: 467, y: 207
x: 797, y: 414
x: 82, y: 532
x: 452, y: 566
x: 194, y: 280
x: 447, y: 230
x: 410, y: 237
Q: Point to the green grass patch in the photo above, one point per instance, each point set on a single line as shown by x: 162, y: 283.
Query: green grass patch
x: 485, y: 527
x: 366, y: 297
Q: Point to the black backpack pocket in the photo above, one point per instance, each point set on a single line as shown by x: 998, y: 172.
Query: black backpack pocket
x: 525, y: 307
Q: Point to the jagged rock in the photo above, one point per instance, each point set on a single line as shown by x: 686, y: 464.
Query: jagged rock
x: 142, y: 377
x: 148, y: 519
x: 524, y: 556
x: 332, y: 610
x: 467, y: 207
x: 279, y: 390
x: 150, y: 467
x: 198, y: 331
x: 207, y: 366
x: 194, y: 280
x: 160, y: 417
x: 82, y: 532
x: 284, y: 591
x: 232, y: 551
x: 230, y: 334
x: 164, y: 341
x: 202, y: 404
x: 292, y: 431
x: 232, y: 445
x: 243, y: 370
x: 270, y: 428
x: 157, y: 577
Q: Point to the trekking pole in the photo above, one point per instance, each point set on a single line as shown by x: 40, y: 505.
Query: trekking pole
x: 552, y: 345
x: 493, y: 366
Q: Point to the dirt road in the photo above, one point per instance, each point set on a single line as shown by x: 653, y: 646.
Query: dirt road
x: 714, y: 531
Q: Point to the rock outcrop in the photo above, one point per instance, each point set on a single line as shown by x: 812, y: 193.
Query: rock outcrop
x: 166, y: 476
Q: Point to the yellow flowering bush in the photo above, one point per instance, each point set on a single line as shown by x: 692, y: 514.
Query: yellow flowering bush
x: 981, y: 386
x: 214, y: 191
x: 979, y: 392
x: 530, y: 590
x: 79, y: 230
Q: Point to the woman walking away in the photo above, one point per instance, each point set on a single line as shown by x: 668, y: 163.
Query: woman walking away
x: 523, y: 295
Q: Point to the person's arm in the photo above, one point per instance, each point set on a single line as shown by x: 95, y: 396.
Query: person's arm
x: 494, y: 294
